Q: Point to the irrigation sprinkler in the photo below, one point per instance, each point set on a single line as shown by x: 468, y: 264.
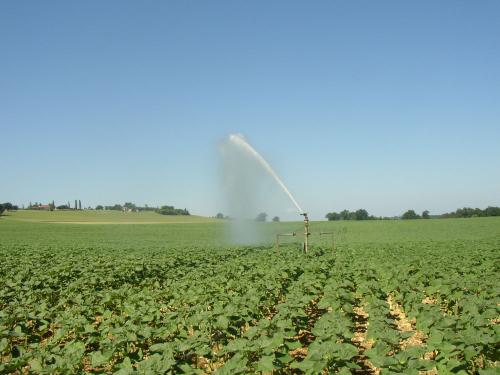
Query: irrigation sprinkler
x: 306, y: 234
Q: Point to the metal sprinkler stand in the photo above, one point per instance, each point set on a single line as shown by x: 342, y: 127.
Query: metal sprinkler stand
x: 306, y: 232
x: 277, y: 243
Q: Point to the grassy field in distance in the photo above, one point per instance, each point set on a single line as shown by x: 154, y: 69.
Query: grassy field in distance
x: 64, y: 226
x: 100, y: 217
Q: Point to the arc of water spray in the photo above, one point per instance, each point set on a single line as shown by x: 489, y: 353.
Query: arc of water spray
x: 239, y: 140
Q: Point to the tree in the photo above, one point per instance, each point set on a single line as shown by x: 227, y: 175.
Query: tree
x: 63, y: 207
x: 52, y: 206
x: 2, y: 209
x: 276, y: 219
x: 345, y: 215
x: 361, y: 214
x: 492, y: 211
x: 332, y: 216
x: 467, y: 212
x: 219, y: 215
x: 75, y: 205
x: 410, y: 214
x: 170, y: 210
x: 261, y: 217
x: 425, y: 215
x: 7, y: 206
x: 99, y: 207
x: 79, y: 204
x: 478, y: 212
x: 464, y: 212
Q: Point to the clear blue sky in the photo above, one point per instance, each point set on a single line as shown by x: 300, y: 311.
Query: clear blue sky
x: 385, y: 105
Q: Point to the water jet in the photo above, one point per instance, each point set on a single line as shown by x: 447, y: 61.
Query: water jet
x: 241, y: 144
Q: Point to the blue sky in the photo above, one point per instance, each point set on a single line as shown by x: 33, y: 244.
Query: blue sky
x: 384, y: 105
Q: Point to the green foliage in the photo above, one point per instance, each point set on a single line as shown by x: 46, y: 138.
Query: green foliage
x: 468, y: 212
x: 360, y: 214
x: 276, y: 219
x: 409, y: 215
x: 9, y: 206
x: 171, y: 210
x: 425, y: 215
x: 331, y: 216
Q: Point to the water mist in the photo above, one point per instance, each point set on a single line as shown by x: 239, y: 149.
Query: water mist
x: 245, y: 185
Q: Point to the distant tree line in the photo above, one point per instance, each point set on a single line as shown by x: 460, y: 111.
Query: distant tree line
x: 411, y: 214
x: 363, y: 214
x: 52, y: 206
x: 131, y: 207
x: 127, y: 206
x: 360, y: 214
x: 263, y: 217
x: 171, y: 210
x: 465, y: 212
x: 472, y: 212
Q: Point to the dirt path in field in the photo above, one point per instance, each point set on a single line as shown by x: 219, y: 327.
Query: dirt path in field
x: 404, y: 324
x: 361, y: 321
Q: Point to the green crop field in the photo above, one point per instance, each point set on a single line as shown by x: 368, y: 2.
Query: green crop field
x: 161, y: 295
